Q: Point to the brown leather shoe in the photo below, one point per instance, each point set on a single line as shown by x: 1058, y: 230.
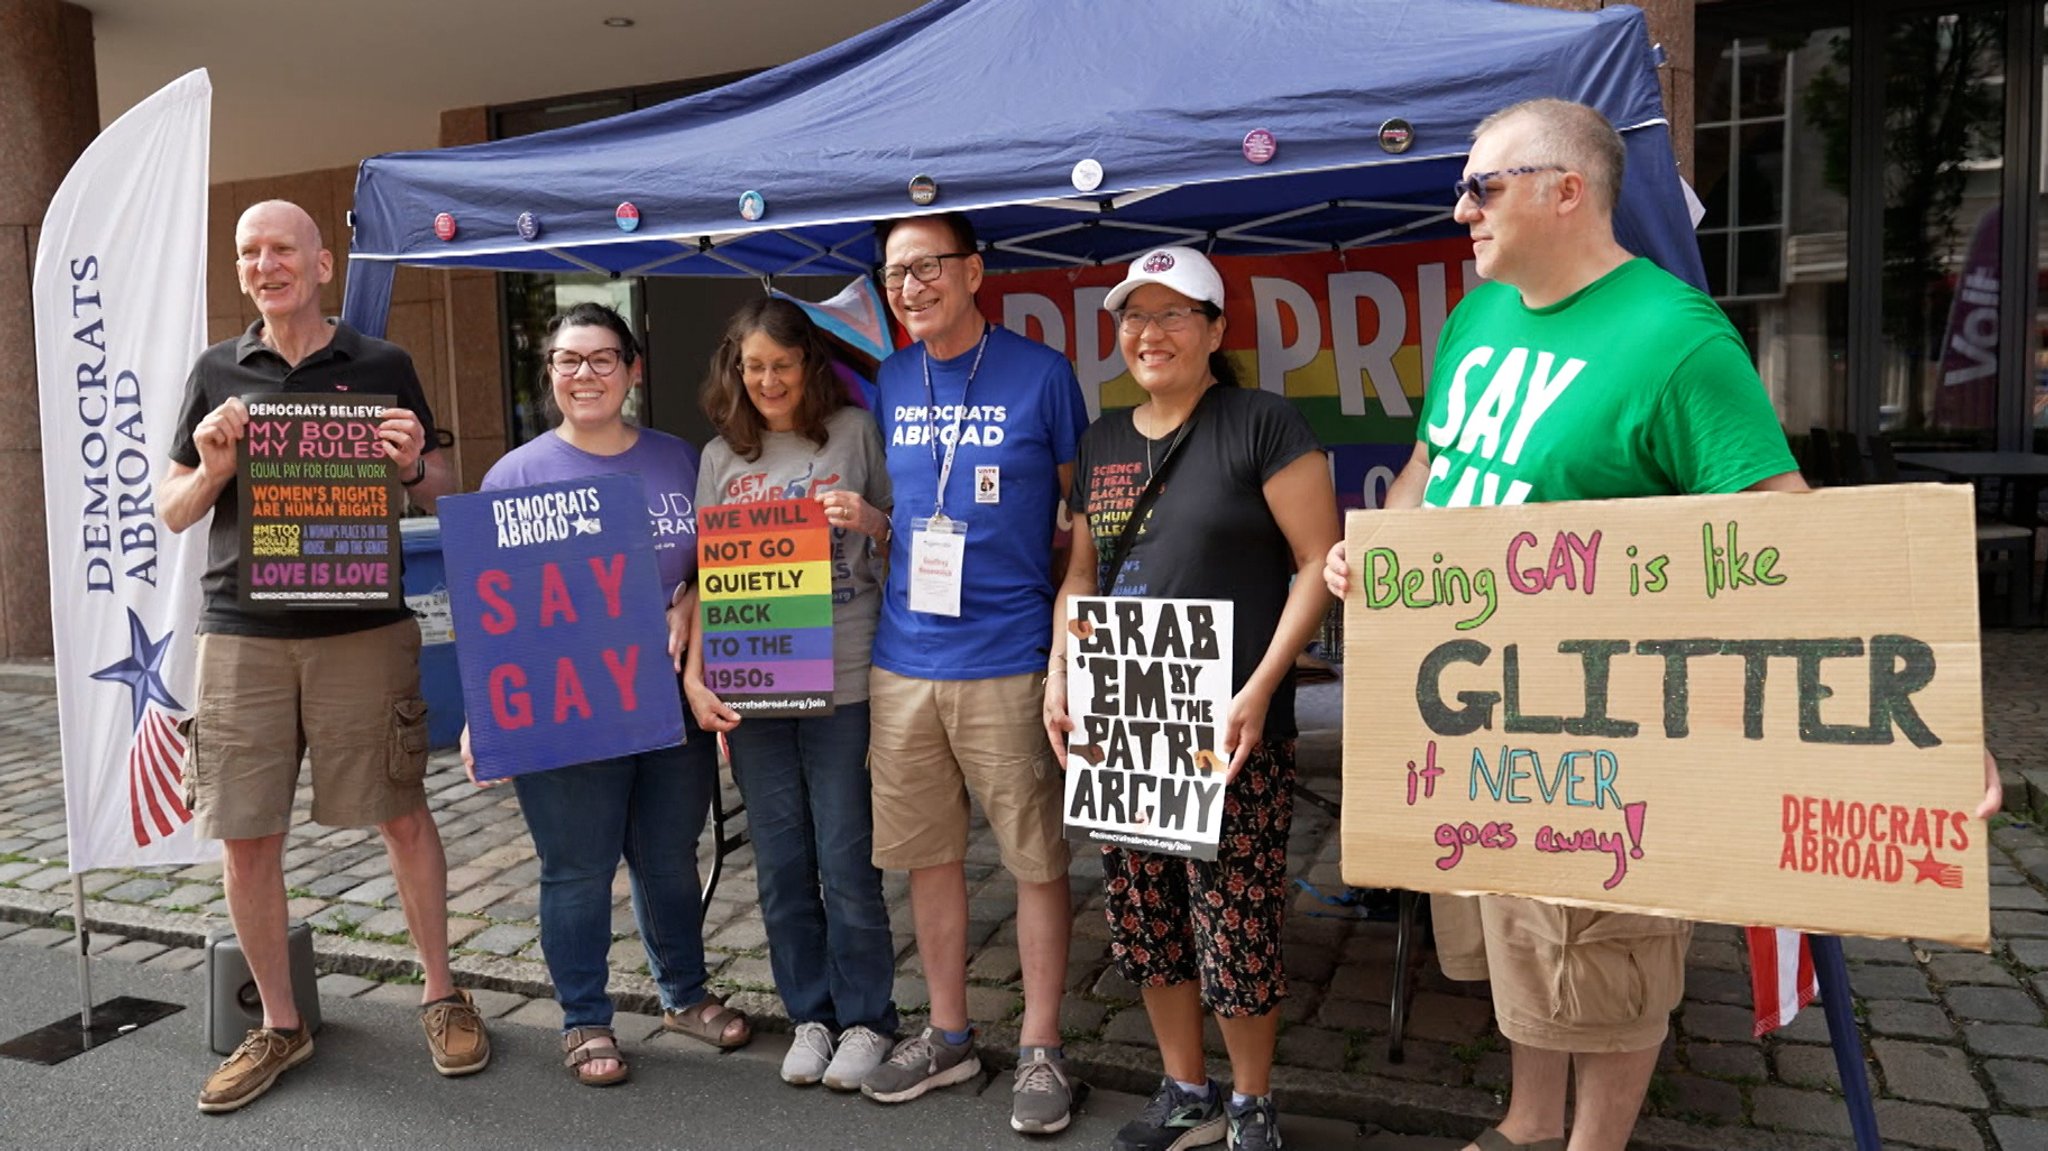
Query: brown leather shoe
x: 255, y: 1065
x: 455, y: 1035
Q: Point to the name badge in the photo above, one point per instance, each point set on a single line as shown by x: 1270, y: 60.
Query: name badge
x: 938, y: 547
x: 988, y: 484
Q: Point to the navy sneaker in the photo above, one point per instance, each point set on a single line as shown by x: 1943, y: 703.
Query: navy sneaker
x: 1175, y: 1120
x: 1255, y: 1126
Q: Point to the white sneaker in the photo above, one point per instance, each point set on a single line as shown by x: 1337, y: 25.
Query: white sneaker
x: 810, y: 1052
x: 861, y: 1050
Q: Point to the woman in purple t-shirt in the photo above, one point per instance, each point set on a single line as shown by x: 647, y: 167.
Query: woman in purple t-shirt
x: 648, y: 808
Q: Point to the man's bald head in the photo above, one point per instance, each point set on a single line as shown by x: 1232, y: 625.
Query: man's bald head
x: 280, y: 263
x: 281, y: 215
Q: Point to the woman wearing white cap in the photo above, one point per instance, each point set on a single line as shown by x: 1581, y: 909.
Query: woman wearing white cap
x: 1239, y: 501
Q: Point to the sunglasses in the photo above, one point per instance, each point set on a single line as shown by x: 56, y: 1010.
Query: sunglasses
x: 1474, y: 185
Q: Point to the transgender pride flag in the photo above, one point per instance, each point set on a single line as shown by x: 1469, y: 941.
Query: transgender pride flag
x: 1781, y: 976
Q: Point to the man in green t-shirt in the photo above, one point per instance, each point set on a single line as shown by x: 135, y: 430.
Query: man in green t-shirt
x: 1578, y: 371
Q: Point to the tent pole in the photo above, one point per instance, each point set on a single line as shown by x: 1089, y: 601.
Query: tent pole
x: 1837, y: 1003
x: 84, y: 951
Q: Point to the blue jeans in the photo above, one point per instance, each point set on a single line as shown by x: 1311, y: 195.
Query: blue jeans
x: 805, y: 782
x: 650, y: 808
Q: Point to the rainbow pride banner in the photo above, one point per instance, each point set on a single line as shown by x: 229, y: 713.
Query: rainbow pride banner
x: 764, y: 578
x: 1348, y: 337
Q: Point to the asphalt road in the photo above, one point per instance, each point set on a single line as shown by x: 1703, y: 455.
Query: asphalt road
x: 369, y: 1083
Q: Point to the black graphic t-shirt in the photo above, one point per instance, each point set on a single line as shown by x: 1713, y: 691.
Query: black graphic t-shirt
x: 1208, y: 534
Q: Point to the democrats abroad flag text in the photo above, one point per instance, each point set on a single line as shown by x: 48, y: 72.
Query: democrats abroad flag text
x: 120, y: 292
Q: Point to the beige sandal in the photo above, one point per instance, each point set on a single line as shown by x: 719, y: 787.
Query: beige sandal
x: 712, y: 1028
x: 1492, y: 1140
x: 583, y: 1045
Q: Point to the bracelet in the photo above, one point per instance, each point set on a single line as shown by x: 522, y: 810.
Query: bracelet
x: 418, y: 475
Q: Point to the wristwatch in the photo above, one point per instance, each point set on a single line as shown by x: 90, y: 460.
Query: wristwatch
x: 419, y: 473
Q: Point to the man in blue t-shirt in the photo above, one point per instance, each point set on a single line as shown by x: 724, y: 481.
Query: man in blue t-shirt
x: 980, y: 427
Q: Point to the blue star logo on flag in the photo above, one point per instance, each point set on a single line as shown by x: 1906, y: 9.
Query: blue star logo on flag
x: 142, y: 669
x: 156, y: 805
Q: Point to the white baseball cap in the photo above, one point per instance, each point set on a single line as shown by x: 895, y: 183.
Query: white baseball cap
x: 1183, y: 269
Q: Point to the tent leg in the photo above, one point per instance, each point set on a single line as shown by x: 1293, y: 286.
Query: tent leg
x: 1833, y: 973
x: 84, y: 952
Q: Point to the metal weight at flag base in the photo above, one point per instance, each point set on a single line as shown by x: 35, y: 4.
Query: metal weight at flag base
x: 53, y: 1043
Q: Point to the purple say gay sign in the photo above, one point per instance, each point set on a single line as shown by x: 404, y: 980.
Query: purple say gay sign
x: 560, y: 632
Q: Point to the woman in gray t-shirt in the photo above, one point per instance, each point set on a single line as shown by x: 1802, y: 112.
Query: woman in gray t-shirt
x: 787, y: 432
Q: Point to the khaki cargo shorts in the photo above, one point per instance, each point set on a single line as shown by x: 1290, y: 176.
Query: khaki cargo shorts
x: 933, y: 742
x: 1566, y: 978
x: 351, y: 703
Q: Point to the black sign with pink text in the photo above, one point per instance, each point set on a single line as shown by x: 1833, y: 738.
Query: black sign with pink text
x: 319, y: 504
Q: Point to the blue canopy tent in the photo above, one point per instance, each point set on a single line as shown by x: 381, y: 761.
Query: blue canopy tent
x: 998, y: 100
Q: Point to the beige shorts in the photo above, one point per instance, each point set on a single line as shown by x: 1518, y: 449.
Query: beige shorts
x: 934, y: 742
x: 1566, y: 978
x: 352, y: 701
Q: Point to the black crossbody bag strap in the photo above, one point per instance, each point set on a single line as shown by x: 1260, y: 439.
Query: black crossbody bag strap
x: 1121, y: 549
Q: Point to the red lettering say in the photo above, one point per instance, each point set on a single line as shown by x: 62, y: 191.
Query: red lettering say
x: 554, y: 596
x: 499, y: 617
x: 610, y: 574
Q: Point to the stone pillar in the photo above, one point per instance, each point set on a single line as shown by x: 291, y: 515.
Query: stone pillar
x: 49, y: 112
x: 1670, y: 26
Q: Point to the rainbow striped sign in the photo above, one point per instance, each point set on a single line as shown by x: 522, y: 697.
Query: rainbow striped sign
x: 765, y: 589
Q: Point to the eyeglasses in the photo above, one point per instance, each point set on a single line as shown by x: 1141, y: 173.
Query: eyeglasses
x: 1474, y: 185
x: 1134, y: 322
x: 602, y: 362
x: 925, y: 269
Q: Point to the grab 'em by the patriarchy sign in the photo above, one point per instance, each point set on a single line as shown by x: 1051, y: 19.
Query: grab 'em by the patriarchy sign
x: 1760, y: 709
x: 1148, y: 689
x: 561, y: 632
x: 319, y: 504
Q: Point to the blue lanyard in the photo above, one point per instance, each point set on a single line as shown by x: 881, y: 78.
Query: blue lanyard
x: 945, y: 469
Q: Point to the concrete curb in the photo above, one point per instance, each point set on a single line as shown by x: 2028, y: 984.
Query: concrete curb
x: 29, y: 677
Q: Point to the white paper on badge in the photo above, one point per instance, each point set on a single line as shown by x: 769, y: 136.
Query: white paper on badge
x: 938, y: 548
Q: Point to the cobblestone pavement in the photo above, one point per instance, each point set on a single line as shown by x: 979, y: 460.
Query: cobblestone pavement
x: 1957, y: 1042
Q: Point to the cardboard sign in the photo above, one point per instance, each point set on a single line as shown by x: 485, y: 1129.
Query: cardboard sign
x: 764, y: 584
x: 560, y: 624
x: 1759, y: 709
x: 1148, y: 688
x: 319, y: 505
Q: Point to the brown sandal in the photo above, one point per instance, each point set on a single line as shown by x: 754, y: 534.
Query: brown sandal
x: 1492, y: 1140
x: 712, y: 1028
x: 581, y: 1045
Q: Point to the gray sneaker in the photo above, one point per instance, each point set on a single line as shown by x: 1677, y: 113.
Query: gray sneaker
x: 919, y: 1064
x: 861, y: 1050
x: 1175, y: 1120
x: 1255, y: 1126
x: 810, y: 1053
x: 1041, y: 1099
